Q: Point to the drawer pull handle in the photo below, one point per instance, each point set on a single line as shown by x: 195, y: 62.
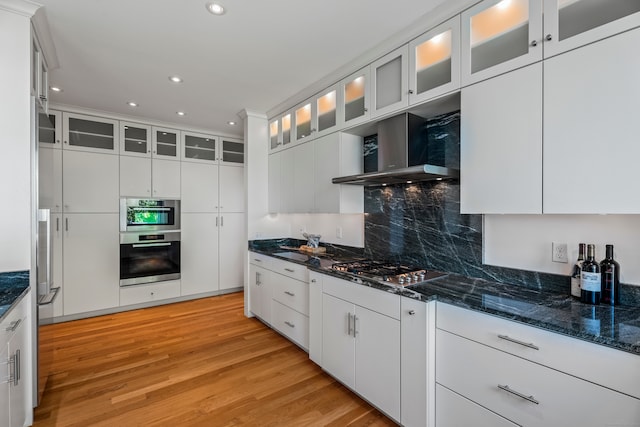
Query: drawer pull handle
x: 289, y: 270
x: 289, y: 324
x: 520, y: 395
x: 291, y: 294
x: 525, y: 344
x: 14, y: 325
x: 412, y: 312
x: 257, y: 260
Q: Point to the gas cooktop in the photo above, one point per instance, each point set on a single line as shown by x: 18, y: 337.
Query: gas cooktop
x: 389, y: 273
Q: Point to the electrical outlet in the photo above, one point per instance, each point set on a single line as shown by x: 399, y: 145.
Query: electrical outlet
x: 339, y: 232
x: 559, y: 252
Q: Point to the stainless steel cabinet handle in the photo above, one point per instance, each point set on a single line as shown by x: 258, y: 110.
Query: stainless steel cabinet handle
x: 57, y: 224
x: 289, y: 324
x: 313, y: 280
x: 291, y: 294
x: 289, y: 270
x: 66, y: 224
x: 221, y: 221
x: 412, y: 312
x: 257, y: 260
x: 517, y: 393
x: 548, y: 37
x: 216, y: 221
x: 534, y: 43
x: 14, y: 325
x: 16, y: 364
x: 258, y: 282
x: 355, y: 325
x: 410, y: 91
x: 349, y: 328
x: 513, y: 340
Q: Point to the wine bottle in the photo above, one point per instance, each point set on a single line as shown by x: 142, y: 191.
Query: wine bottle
x: 610, y: 271
x: 577, y: 271
x: 590, y: 281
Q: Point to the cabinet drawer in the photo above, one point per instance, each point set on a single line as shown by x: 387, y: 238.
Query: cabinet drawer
x: 146, y: 293
x: 291, y: 292
x: 525, y: 392
x: 261, y: 260
x: 453, y: 410
x: 291, y: 324
x: 596, y: 363
x: 14, y: 319
x: 371, y: 298
x: 295, y: 271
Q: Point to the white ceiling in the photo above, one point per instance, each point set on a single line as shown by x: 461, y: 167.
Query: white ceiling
x: 256, y: 56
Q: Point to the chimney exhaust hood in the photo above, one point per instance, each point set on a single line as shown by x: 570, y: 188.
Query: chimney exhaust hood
x: 403, y: 155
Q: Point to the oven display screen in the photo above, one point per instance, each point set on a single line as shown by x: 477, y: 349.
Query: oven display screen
x: 149, y: 216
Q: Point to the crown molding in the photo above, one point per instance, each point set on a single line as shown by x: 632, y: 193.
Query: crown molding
x: 21, y: 7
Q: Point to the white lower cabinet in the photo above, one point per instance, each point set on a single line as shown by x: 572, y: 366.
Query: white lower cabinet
x: 361, y: 346
x: 151, y: 292
x: 453, y: 410
x: 91, y: 262
x: 232, y: 249
x: 260, y: 292
x: 199, y: 253
x: 290, y: 323
x: 15, y: 366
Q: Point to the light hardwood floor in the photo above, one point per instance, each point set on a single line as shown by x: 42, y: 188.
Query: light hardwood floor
x: 199, y: 363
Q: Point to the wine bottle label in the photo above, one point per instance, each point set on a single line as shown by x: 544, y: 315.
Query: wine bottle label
x: 575, y: 286
x: 590, y: 281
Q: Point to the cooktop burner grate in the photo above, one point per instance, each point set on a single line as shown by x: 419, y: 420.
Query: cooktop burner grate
x: 387, y: 272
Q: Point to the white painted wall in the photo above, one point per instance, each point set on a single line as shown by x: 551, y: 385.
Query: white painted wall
x: 524, y: 241
x: 15, y: 137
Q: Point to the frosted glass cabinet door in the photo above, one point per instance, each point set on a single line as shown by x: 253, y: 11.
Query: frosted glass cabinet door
x: 572, y: 23
x: 354, y: 93
x: 499, y: 36
x: 166, y: 143
x: 232, y: 152
x: 303, y: 119
x: 389, y: 82
x: 88, y: 133
x: 328, y: 116
x: 200, y: 147
x: 275, y: 135
x: 135, y: 139
x: 434, y: 62
x: 285, y: 128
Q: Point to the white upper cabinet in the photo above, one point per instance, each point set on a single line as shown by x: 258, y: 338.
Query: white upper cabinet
x: 166, y: 143
x: 303, y: 120
x: 501, y: 144
x: 355, y: 98
x: 389, y: 78
x: 199, y: 147
x: 434, y: 62
x: 499, y: 36
x: 572, y: 23
x: 90, y: 182
x: 591, y: 104
x: 135, y: 139
x: 275, y: 134
x: 39, y: 74
x: 328, y: 109
x: 50, y: 129
x: 232, y: 153
x: 89, y: 133
x: 199, y: 188
x: 286, y: 122
x: 231, y: 189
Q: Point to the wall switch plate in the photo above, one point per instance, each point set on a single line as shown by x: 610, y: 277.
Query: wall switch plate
x: 559, y: 252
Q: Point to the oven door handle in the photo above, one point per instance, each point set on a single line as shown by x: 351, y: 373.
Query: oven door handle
x: 149, y: 208
x: 150, y: 245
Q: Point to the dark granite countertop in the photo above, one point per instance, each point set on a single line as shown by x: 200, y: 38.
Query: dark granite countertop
x: 616, y: 327
x: 13, y: 285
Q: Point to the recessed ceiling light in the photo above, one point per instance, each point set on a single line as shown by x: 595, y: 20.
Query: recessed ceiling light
x: 132, y: 104
x: 175, y: 79
x: 55, y: 89
x: 231, y: 123
x: 181, y: 113
x: 215, y: 8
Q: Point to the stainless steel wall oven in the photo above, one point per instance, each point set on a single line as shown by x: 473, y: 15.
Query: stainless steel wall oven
x: 149, y: 241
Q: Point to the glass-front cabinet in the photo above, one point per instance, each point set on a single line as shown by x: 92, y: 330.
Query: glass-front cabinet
x: 572, y: 23
x: 199, y: 147
x: 285, y: 128
x: 434, y: 62
x: 136, y: 139
x: 499, y: 36
x: 275, y: 139
x: 389, y: 82
x: 354, y: 96
x: 327, y: 118
x: 89, y: 133
x: 50, y: 129
x: 232, y: 152
x: 303, y: 123
x: 166, y: 143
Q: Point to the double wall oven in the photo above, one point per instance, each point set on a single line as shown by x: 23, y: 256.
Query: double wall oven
x: 149, y: 241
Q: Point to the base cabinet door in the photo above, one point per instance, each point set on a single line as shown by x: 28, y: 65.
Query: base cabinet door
x: 232, y: 250
x: 260, y: 292
x: 338, y: 345
x: 199, y: 253
x: 91, y: 262
x: 415, y: 363
x: 20, y: 387
x: 453, y: 410
x: 5, y: 419
x: 378, y: 360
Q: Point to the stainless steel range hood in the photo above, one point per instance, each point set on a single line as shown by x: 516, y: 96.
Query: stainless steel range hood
x: 402, y: 155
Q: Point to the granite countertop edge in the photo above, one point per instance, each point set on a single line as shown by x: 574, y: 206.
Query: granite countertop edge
x: 545, y: 310
x: 14, y: 285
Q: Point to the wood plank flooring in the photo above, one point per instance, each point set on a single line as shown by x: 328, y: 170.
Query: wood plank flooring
x: 196, y: 363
